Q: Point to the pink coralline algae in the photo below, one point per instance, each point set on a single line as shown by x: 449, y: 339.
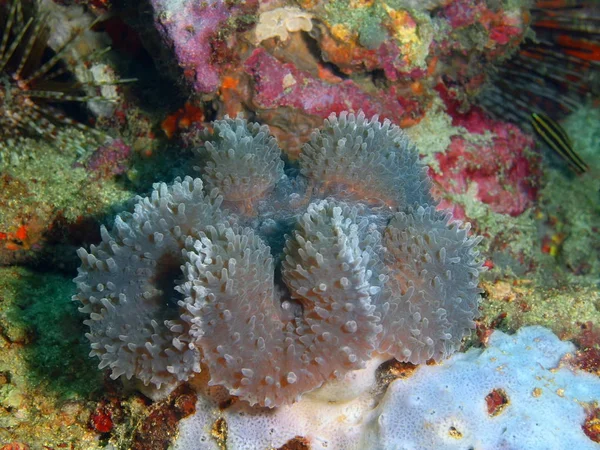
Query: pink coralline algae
x: 505, y: 27
x: 501, y: 170
x: 195, y: 31
x: 278, y: 84
x: 502, y: 166
x: 109, y: 159
x: 307, y: 272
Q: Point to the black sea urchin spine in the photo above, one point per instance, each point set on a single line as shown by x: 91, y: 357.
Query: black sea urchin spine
x: 33, y: 78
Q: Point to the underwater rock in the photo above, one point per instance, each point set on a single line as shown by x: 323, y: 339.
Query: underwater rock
x: 278, y: 85
x: 197, y: 32
x: 348, y: 53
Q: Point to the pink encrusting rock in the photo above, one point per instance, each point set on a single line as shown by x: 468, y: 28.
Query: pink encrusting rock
x: 494, y: 160
x: 504, y: 174
x: 195, y: 31
x: 110, y: 159
x: 278, y: 84
x: 308, y: 273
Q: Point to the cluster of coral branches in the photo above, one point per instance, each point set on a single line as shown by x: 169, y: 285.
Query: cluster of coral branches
x: 280, y: 278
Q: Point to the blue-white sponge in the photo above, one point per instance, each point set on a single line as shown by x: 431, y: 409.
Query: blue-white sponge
x: 536, y: 402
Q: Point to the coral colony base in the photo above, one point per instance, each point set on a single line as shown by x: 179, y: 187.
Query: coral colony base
x: 280, y: 279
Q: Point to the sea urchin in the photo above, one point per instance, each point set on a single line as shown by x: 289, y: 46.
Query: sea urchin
x: 33, y: 77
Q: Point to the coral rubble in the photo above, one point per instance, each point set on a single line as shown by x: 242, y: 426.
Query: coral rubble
x: 306, y: 275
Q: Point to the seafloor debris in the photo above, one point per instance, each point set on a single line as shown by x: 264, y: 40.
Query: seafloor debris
x: 322, y: 268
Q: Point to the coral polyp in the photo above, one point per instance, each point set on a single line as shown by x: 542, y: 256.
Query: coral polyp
x: 244, y: 161
x: 33, y: 78
x: 298, y: 284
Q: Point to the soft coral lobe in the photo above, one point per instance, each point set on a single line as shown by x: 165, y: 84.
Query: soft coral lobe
x: 280, y: 280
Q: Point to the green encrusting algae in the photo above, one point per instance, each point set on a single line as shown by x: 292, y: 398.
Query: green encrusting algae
x: 47, y: 380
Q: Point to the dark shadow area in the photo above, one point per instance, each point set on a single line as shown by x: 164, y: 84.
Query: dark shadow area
x: 36, y: 307
x: 312, y: 43
x: 143, y: 55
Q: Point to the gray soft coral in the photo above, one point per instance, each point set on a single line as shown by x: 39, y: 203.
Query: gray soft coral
x: 306, y: 275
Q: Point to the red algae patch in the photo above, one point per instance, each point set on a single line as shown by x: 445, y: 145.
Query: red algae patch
x: 160, y: 426
x: 15, y: 446
x: 591, y: 426
x: 298, y: 443
x: 101, y: 419
x: 496, y: 401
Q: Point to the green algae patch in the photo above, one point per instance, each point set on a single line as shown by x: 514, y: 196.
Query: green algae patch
x: 44, y: 189
x: 365, y: 21
x: 47, y: 380
x: 51, y: 391
x: 51, y: 176
x: 564, y: 310
x: 573, y: 203
x: 433, y: 134
x: 371, y: 23
x: 38, y: 318
x: 573, y: 208
x: 583, y: 128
